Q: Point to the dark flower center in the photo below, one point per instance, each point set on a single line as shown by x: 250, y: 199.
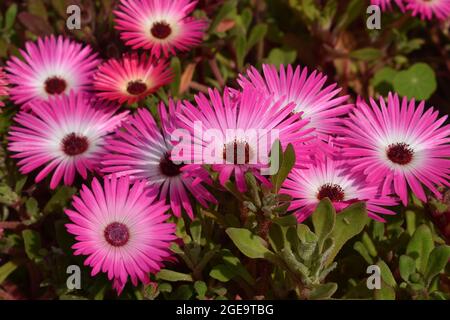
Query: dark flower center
x: 400, y: 153
x: 55, y: 85
x: 116, y: 234
x: 239, y: 150
x: 168, y: 168
x: 136, y: 88
x: 161, y: 30
x: 73, y: 145
x: 331, y: 191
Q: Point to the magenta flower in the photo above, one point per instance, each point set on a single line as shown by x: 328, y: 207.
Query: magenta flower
x: 131, y: 79
x: 143, y: 151
x: 332, y: 179
x: 52, y: 66
x: 399, y: 145
x: 242, y: 129
x: 158, y: 25
x: 427, y: 9
x: 121, y: 229
x: 65, y: 135
x: 387, y: 4
x: 319, y: 104
x: 3, y: 86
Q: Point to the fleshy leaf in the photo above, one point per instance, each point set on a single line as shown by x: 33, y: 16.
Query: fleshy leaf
x: 248, y: 243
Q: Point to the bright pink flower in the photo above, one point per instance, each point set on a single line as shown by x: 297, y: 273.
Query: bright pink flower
x: 319, y: 104
x: 427, y: 9
x: 52, y: 66
x: 121, y: 229
x: 332, y: 179
x: 159, y: 25
x: 3, y: 86
x: 397, y: 145
x: 65, y: 134
x: 142, y: 150
x: 131, y: 79
x: 387, y: 4
x: 235, y: 134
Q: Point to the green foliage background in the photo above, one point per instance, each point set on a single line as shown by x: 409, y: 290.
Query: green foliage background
x: 247, y: 247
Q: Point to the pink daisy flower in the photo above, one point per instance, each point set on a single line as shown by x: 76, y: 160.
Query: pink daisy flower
x: 159, y: 25
x: 331, y: 179
x: 131, y: 79
x: 387, y: 4
x: 398, y: 145
x: 235, y: 135
x: 319, y: 104
x: 51, y: 66
x: 427, y: 9
x: 65, y: 135
x: 121, y: 229
x: 3, y: 86
x: 141, y: 150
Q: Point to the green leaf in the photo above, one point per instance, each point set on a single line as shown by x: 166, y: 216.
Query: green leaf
x: 175, y: 65
x: 32, y: 207
x: 438, y: 260
x: 248, y: 243
x: 305, y: 234
x: 100, y: 293
x: 173, y: 276
x: 20, y: 184
x: 382, y: 80
x: 240, y: 45
x: 386, y: 274
x: 222, y: 273
x: 279, y: 56
x: 420, y: 247
x: 37, y: 7
x: 378, y: 232
x: 323, y: 220
x: 366, y: 54
x: 323, y: 291
x: 417, y: 82
x: 385, y: 293
x: 201, y: 288
x: 6, y: 270
x: 286, y: 162
x: 286, y: 221
x: 7, y: 195
x: 410, y: 221
x: 353, y: 11
x: 256, y: 35
x: 276, y: 237
x: 10, y: 16
x: 60, y: 199
x: 32, y: 243
x: 235, y: 263
x: 407, y: 267
x: 368, y: 243
x: 224, y: 11
x: 196, y: 231
x: 361, y: 248
x: 349, y: 223
x: 328, y: 13
x: 165, y: 287
x: 183, y: 292
x: 60, y: 7
x: 245, y: 19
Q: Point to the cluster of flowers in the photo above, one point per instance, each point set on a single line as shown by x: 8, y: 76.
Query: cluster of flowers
x: 426, y: 9
x: 69, y: 125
